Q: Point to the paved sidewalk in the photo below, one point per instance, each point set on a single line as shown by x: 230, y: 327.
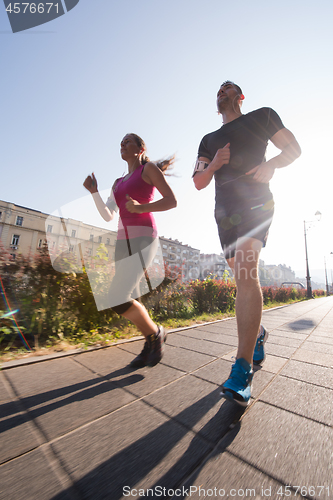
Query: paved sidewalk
x: 88, y: 427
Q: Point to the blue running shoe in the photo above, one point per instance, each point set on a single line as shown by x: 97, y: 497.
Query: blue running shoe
x: 259, y: 350
x: 238, y: 386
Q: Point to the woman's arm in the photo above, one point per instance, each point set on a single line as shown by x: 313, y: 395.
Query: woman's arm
x: 153, y: 176
x: 90, y: 184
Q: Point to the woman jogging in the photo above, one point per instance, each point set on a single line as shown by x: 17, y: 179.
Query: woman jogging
x: 137, y: 237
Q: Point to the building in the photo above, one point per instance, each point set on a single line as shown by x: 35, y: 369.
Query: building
x: 25, y: 231
x: 213, y: 265
x: 275, y: 274
x: 180, y: 257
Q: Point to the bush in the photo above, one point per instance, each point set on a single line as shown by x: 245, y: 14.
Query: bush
x: 53, y: 305
x: 273, y: 294
x: 212, y: 295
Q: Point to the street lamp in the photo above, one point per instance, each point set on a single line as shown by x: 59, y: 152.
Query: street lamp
x: 308, y: 278
x: 327, y: 287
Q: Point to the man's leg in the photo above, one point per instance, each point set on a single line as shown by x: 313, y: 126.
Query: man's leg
x: 249, y: 295
x: 248, y: 314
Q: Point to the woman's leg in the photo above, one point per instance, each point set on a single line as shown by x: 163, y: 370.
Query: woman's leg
x: 130, y: 268
x: 138, y: 314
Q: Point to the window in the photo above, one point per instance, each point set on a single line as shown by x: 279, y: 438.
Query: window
x: 108, y: 241
x: 71, y: 248
x: 15, y: 239
x: 0, y: 215
x: 91, y: 237
x: 100, y: 239
x: 73, y: 233
x: 13, y: 256
x: 165, y: 246
x: 89, y: 251
x: 49, y: 229
x: 19, y: 221
x: 40, y: 244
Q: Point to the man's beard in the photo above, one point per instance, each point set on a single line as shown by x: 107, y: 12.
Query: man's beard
x: 224, y: 104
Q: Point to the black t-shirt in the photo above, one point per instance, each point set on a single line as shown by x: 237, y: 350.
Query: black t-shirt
x: 248, y: 136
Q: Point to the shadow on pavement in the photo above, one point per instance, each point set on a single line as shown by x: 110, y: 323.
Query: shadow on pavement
x: 302, y: 324
x: 132, y: 465
x: 78, y: 392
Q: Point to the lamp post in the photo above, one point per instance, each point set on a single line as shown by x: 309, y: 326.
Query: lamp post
x: 327, y: 288
x: 308, y: 277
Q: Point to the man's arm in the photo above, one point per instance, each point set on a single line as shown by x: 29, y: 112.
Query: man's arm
x: 203, y: 178
x: 290, y: 151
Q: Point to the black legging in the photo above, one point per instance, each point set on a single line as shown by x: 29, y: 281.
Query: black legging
x: 132, y: 257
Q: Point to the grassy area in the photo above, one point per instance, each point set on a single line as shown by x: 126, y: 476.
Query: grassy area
x: 107, y: 336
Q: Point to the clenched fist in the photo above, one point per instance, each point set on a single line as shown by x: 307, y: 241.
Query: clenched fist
x: 222, y: 157
x: 91, y: 183
x: 133, y: 206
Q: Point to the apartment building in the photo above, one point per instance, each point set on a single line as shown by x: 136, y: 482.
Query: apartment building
x: 25, y: 230
x: 213, y: 265
x: 180, y: 257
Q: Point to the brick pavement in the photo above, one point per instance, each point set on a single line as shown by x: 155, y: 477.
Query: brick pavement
x: 88, y: 427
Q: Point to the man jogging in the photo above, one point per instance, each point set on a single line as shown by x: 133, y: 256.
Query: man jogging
x: 235, y: 156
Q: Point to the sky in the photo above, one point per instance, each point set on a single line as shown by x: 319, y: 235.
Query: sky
x: 72, y: 88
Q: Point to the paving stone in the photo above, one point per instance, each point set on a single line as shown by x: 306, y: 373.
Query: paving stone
x: 270, y: 326
x: 29, y: 477
x: 40, y: 378
x: 323, y: 331
x: 225, y: 476
x: 134, y: 347
x: 4, y: 396
x: 318, y: 337
x: 136, y: 446
x: 316, y: 358
x: 301, y: 325
x: 149, y: 379
x: 289, y: 334
x: 216, y: 372
x: 261, y: 379
x: 194, y: 403
x: 17, y: 435
x: 174, y: 357
x: 308, y: 372
x: 302, y: 398
x: 231, y: 356
x: 318, y: 347
x: 108, y: 361
x: 223, y: 326
x: 214, y: 337
x: 204, y: 346
x: 288, y: 447
x: 286, y: 435
x: 273, y: 364
x: 284, y: 340
x: 66, y: 413
x: 279, y: 350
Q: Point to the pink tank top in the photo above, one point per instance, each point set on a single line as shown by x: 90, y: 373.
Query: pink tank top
x: 134, y: 225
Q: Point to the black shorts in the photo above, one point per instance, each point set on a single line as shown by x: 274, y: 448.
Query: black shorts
x: 238, y: 221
